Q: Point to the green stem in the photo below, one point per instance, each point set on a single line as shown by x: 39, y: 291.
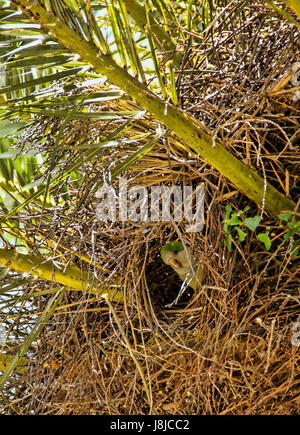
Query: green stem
x: 6, y: 360
x: 70, y: 276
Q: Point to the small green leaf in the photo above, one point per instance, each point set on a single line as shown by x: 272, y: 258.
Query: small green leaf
x: 285, y: 216
x: 228, y: 212
x: 289, y: 234
x: 228, y: 242
x: 264, y: 237
x: 242, y: 234
x: 234, y: 220
x: 252, y: 223
x: 294, y: 227
x: 228, y: 209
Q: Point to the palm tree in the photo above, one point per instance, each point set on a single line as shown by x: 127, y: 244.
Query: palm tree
x: 110, y: 84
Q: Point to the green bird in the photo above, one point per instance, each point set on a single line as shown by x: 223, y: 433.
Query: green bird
x: 179, y: 257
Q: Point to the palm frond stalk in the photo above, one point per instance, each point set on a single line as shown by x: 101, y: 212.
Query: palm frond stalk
x: 70, y: 276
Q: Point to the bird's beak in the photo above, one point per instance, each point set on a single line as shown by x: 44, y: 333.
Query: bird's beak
x: 175, y: 263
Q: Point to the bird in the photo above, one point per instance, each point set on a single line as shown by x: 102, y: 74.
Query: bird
x: 180, y: 258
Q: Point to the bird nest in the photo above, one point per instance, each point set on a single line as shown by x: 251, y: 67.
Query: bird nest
x: 227, y: 349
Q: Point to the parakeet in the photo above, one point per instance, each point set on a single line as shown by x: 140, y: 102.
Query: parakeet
x: 179, y: 257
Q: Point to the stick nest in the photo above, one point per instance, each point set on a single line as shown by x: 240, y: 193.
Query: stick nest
x: 227, y: 349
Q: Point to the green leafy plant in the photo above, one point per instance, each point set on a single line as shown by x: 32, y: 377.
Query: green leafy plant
x: 238, y: 222
x: 293, y: 229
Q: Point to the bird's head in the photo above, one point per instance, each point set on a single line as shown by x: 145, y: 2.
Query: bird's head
x: 177, y: 256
